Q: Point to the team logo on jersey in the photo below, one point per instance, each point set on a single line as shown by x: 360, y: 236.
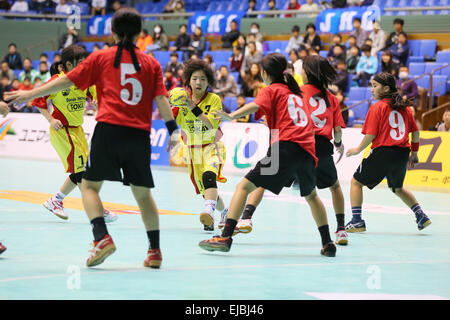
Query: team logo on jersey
x: 75, y: 106
x: 66, y: 92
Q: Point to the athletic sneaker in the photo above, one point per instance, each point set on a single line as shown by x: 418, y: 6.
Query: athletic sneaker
x: 244, y: 226
x: 216, y: 243
x: 2, y: 248
x: 154, y: 259
x: 328, y: 250
x: 422, y: 221
x: 223, y: 219
x: 207, y: 220
x: 101, y: 250
x: 355, y: 226
x: 109, y: 216
x: 56, y: 207
x: 341, y: 237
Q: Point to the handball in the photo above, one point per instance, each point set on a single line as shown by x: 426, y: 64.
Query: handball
x: 178, y: 97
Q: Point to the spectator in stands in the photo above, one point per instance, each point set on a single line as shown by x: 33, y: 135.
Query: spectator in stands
x: 63, y: 7
x: 116, y: 5
x: 231, y: 36
x: 4, y: 5
x: 387, y: 64
x: 57, y: 58
x: 367, y: 67
x: 335, y: 40
x: 240, y: 104
x: 253, y: 57
x: 98, y: 7
x: 13, y: 57
x: 252, y: 81
x: 312, y: 40
x: 171, y: 5
x: 341, y: 98
x: 255, y: 31
x: 296, y: 40
x: 179, y: 7
x: 226, y: 83
x: 43, y: 74
x: 179, y: 76
x: 183, y: 39
x: 341, y: 80
x: 28, y: 71
x: 298, y: 78
x: 378, y: 37
x: 336, y: 4
x: 15, y: 84
x: 5, y: 71
x: 310, y: 6
x: 38, y: 83
x: 303, y: 53
x: 297, y: 63
x: 251, y: 8
x: 35, y: 5
x: 48, y: 7
x: 144, y: 40
x: 69, y: 38
x: 353, y: 60
x: 407, y: 88
x: 236, y: 59
x: 210, y: 62
x: 174, y: 65
x: 106, y: 45
x: 393, y: 37
x: 445, y: 125
x: 96, y: 47
x: 359, y: 33
x: 160, y: 39
x: 195, y: 57
x: 197, y: 44
x: 170, y: 82
x: 338, y: 55
x: 359, y: 3
x: 368, y: 42
x: 293, y: 5
x: 400, y: 50
x: 350, y: 43
x: 5, y: 85
x: 241, y: 42
x: 272, y: 6
x: 44, y: 58
x: 252, y: 38
x: 20, y: 6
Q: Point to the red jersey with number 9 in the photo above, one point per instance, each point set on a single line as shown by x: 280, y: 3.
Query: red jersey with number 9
x: 286, y: 113
x: 390, y: 127
x: 125, y: 96
x: 324, y: 119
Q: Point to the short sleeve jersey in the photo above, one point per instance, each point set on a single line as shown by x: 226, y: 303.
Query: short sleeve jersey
x: 286, y: 113
x: 324, y: 119
x: 194, y: 132
x: 125, y: 96
x: 390, y: 127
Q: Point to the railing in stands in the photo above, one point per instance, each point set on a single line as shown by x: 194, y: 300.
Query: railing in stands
x: 430, y: 101
x: 45, y: 44
x: 432, y: 117
x: 412, y: 9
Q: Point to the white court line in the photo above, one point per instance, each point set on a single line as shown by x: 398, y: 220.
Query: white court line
x: 366, y: 206
x: 372, y: 296
x: 261, y: 266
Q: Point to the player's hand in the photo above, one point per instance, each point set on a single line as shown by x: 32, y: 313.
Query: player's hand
x: 56, y: 124
x: 221, y: 115
x: 4, y: 109
x: 352, y: 152
x: 174, y: 139
x: 19, y: 96
x: 413, y: 159
x: 340, y: 149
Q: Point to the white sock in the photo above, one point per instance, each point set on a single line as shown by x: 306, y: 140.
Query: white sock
x: 60, y: 196
x: 210, y: 206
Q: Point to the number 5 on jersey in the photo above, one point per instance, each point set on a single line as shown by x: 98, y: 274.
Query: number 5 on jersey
x: 136, y: 86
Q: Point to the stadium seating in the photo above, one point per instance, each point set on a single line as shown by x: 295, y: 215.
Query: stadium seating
x: 357, y: 93
x: 443, y: 56
x: 275, y: 46
x: 416, y: 68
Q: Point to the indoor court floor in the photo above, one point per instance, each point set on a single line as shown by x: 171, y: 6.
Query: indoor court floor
x: 280, y: 259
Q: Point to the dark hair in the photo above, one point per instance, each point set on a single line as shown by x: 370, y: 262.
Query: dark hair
x: 223, y: 66
x: 182, y: 25
x: 296, y: 53
x: 209, y: 57
x: 71, y: 54
x: 54, y: 68
x: 126, y: 23
x: 357, y: 19
x: 311, y: 25
x: 43, y: 62
x: 174, y: 54
x: 251, y: 1
x: 240, y: 95
x: 43, y: 54
x: 191, y: 66
x: 255, y: 24
x: 238, y: 48
x: 397, y: 102
x: 145, y: 31
x: 320, y: 74
x: 352, y: 36
x: 337, y: 35
x: 366, y: 48
x: 399, y: 21
x: 27, y: 78
x: 275, y: 65
x: 12, y: 44
x: 27, y: 58
x: 97, y: 45
x: 295, y: 29
x: 403, y: 33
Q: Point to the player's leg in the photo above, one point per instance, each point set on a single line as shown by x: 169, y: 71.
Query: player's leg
x: 408, y: 198
x: 150, y: 217
x: 211, y: 194
x: 356, y: 224
x: 245, y: 224
x: 339, y: 210
x: 55, y: 203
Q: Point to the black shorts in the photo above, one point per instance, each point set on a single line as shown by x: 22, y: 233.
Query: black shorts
x: 383, y: 162
x: 118, y: 149
x: 293, y: 163
x: 326, y: 172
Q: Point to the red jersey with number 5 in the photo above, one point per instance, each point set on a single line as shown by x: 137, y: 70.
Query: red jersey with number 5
x: 286, y: 113
x: 390, y: 127
x: 125, y: 97
x: 324, y: 119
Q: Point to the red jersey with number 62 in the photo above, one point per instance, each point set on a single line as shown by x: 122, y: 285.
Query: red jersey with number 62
x: 390, y: 127
x: 125, y: 96
x: 286, y: 113
x: 324, y: 119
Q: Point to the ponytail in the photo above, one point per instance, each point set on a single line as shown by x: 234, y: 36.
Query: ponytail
x: 292, y: 84
x: 126, y: 44
x: 397, y: 101
x: 275, y: 65
x: 54, y: 68
x: 320, y: 74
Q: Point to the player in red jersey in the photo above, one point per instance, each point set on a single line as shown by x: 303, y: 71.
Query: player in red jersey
x: 387, y: 126
x: 127, y: 81
x: 291, y: 153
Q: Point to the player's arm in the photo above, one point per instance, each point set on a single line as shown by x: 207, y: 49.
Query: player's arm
x: 4, y: 109
x: 241, y: 112
x: 55, y: 123
x: 414, y: 158
x: 337, y: 133
x: 47, y: 89
x: 199, y: 114
x: 368, y: 138
x: 162, y: 103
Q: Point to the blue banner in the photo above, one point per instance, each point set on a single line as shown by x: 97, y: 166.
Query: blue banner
x: 341, y: 20
x: 99, y: 26
x: 216, y: 23
x: 159, y: 138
